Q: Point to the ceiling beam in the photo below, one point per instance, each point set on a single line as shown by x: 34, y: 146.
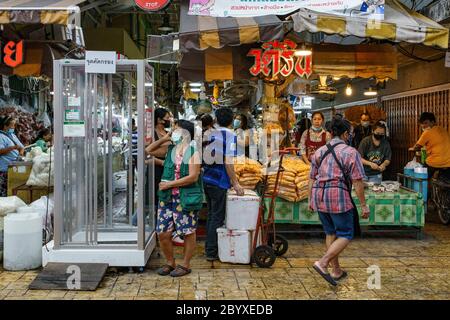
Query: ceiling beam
x: 93, y: 5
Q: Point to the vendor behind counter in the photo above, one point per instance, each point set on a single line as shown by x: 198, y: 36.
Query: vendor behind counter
x: 10, y: 149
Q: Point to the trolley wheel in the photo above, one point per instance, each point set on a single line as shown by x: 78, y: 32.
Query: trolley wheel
x: 444, y: 216
x: 280, y: 246
x: 264, y: 256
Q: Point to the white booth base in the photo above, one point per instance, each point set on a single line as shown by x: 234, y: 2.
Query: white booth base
x: 113, y: 257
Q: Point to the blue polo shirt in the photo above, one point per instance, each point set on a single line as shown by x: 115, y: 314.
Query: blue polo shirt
x: 8, y: 140
x: 221, y: 143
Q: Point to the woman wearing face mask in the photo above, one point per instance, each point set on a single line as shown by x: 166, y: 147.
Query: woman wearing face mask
x: 240, y: 125
x: 376, y: 153
x: 10, y: 149
x: 180, y: 197
x: 362, y: 130
x: 313, y: 138
x: 335, y: 169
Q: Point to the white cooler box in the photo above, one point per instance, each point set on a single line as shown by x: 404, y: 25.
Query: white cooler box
x: 234, y: 245
x: 242, y: 212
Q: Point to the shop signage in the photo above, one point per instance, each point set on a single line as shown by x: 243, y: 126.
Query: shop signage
x: 152, y: 5
x: 277, y: 57
x: 74, y: 129
x: 100, y: 62
x: 13, y: 53
x: 253, y: 8
x: 447, y: 59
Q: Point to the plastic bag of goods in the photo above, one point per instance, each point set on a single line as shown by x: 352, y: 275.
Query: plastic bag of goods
x: 43, y: 168
x: 41, y: 206
x: 10, y: 204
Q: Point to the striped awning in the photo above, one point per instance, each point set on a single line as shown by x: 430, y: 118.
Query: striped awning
x: 400, y: 24
x: 202, y: 32
x: 42, y: 11
x: 229, y: 63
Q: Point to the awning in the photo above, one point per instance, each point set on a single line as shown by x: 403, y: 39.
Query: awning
x: 400, y: 24
x: 229, y: 63
x: 44, y: 12
x: 356, y: 61
x: 201, y: 32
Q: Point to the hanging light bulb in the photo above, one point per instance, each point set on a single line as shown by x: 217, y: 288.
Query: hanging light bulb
x: 303, y: 51
x: 349, y: 90
x: 370, y: 92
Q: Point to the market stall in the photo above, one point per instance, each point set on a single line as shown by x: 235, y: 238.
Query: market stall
x: 285, y: 67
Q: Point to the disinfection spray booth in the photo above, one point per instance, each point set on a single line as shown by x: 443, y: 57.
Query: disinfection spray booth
x: 103, y: 190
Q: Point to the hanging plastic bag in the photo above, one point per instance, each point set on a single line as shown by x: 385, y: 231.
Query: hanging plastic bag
x: 47, y: 214
x: 45, y: 119
x: 10, y: 204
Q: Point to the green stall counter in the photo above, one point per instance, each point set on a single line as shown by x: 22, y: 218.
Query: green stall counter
x: 401, y: 208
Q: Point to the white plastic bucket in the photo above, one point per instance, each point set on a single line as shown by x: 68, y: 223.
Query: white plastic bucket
x: 22, y: 241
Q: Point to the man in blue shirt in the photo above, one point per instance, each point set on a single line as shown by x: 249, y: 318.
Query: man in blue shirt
x: 10, y: 149
x: 219, y: 176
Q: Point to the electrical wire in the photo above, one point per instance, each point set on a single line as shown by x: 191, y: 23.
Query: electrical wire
x: 413, y: 56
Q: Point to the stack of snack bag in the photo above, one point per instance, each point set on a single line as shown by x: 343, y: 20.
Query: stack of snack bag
x: 248, y: 172
x: 293, y: 181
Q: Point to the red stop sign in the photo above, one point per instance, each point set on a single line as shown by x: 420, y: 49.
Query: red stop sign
x: 152, y: 5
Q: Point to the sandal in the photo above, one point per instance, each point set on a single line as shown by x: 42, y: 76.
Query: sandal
x: 341, y: 277
x: 180, y: 271
x: 326, y: 276
x: 165, y: 270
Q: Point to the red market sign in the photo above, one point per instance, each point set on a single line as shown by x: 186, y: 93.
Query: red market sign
x: 13, y: 53
x: 279, y: 58
x: 152, y: 5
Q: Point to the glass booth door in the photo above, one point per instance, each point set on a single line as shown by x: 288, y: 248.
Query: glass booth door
x: 103, y: 183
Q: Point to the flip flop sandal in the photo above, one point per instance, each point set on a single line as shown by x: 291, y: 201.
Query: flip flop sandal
x: 165, y: 270
x: 341, y: 277
x: 326, y: 276
x: 180, y: 271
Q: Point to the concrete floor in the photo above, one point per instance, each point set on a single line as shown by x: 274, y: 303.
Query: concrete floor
x: 410, y: 269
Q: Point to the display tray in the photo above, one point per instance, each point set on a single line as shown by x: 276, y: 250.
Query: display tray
x: 401, y: 208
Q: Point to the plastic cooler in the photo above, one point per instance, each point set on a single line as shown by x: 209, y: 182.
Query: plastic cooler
x: 422, y: 187
x: 409, y: 172
x: 242, y: 212
x: 234, y: 245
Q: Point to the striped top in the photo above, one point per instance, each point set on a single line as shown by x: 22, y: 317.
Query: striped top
x: 134, y: 143
x: 329, y: 193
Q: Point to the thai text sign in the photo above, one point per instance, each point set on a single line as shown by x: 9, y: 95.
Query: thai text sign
x: 278, y: 58
x: 373, y: 9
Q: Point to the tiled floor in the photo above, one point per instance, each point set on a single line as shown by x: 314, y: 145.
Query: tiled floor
x: 410, y: 268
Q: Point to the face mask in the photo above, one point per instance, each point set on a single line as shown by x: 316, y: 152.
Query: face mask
x: 378, y: 137
x: 176, y: 137
x: 316, y: 129
x: 237, y: 123
x: 166, y: 124
x: 426, y: 129
x: 365, y: 124
x: 10, y: 131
